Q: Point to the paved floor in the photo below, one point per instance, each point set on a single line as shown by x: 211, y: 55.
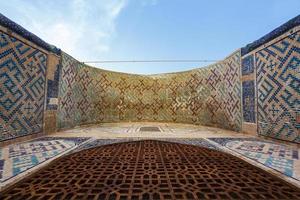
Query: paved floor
x: 151, y: 169
x: 19, y: 160
x: 132, y: 130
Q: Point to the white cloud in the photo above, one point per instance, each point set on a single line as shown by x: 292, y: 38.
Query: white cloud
x: 80, y: 27
x: 115, y: 8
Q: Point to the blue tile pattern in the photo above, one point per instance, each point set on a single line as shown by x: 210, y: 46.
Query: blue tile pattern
x: 22, y: 91
x: 278, y: 93
x: 52, y: 89
x: 248, y: 65
x: 282, y: 158
x: 270, y: 36
x: 19, y: 158
x: 248, y: 101
x: 4, y: 21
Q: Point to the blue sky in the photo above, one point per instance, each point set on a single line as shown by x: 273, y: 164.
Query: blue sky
x: 150, y: 29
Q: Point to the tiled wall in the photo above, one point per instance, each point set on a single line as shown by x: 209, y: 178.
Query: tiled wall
x: 208, y: 96
x: 257, y: 90
x: 27, y: 83
x: 249, y: 101
x: 272, y: 71
x: 22, y: 91
x: 248, y: 87
x: 278, y: 88
x: 53, y: 74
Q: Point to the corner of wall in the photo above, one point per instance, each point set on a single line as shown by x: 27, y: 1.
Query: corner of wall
x: 248, y: 94
x: 51, y: 101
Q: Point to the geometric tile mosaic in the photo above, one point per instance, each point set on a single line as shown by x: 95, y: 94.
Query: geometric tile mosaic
x: 151, y: 170
x: 207, y: 96
x: 282, y: 158
x: 18, y: 158
x: 22, y: 91
x: 248, y: 101
x: 52, y: 89
x: 278, y: 82
x: 248, y: 65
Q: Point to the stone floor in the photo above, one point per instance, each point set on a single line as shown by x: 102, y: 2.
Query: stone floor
x: 19, y: 160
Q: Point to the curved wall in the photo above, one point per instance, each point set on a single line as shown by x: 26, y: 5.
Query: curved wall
x: 206, y: 96
x: 43, y: 89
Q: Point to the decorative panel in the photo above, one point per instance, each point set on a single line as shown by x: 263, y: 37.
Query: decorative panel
x: 22, y: 91
x: 278, y: 82
x: 248, y: 65
x: 248, y: 101
x: 53, y: 72
x: 208, y: 96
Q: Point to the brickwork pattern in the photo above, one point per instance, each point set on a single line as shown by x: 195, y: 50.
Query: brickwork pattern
x: 207, y: 96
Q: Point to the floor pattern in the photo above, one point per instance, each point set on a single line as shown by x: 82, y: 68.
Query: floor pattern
x: 151, y: 170
x: 15, y: 159
x: 282, y: 158
x: 100, y: 142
